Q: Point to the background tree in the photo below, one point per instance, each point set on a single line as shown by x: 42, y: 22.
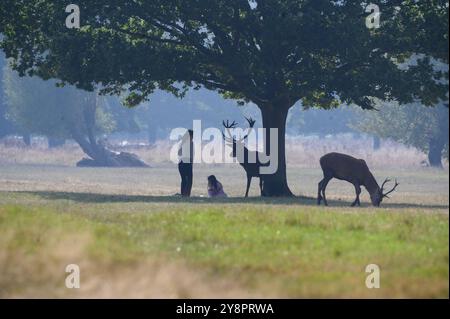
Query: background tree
x: 6, y: 126
x: 39, y: 107
x: 425, y: 128
x: 164, y: 112
x: 270, y: 52
x: 311, y: 121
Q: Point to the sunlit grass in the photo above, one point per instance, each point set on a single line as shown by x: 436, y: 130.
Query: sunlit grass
x: 132, y: 238
x: 274, y: 251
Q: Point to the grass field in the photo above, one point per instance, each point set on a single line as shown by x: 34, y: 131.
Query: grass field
x: 132, y: 238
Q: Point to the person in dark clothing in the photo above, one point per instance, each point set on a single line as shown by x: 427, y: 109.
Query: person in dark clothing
x: 186, y: 154
x: 215, y: 188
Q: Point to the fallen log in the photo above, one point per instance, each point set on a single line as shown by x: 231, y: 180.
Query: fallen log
x: 113, y: 159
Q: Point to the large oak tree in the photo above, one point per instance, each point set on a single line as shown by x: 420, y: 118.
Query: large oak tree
x: 270, y: 52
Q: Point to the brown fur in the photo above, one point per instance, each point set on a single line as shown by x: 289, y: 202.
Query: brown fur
x: 350, y: 169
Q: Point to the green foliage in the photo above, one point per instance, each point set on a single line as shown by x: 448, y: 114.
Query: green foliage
x: 115, y: 117
x: 322, y: 122
x: 40, y: 107
x: 269, y: 52
x: 5, y: 125
x: 270, y: 250
x: 414, y: 125
x: 164, y: 112
x: 273, y: 53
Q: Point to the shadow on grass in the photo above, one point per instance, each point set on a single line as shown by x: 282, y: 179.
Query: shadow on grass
x: 298, y: 200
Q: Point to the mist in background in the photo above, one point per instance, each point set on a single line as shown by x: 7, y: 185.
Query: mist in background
x: 37, y: 113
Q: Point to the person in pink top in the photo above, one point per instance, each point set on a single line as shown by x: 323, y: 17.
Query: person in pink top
x: 215, y: 188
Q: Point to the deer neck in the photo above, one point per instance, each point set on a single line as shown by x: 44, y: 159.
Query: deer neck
x: 244, y: 151
x: 371, y: 184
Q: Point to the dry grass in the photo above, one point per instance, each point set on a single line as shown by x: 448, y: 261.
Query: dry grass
x: 306, y: 152
x: 301, y: 152
x: 420, y: 185
x: 37, y: 245
x: 139, y: 249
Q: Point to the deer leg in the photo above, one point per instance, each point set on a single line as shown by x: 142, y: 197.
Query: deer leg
x: 261, y: 185
x: 319, y: 192
x: 358, y: 192
x: 324, y: 186
x: 249, y: 179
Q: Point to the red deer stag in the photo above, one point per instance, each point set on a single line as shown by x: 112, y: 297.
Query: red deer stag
x: 251, y: 167
x: 352, y: 170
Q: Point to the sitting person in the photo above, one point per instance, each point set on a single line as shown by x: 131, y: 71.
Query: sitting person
x: 215, y: 188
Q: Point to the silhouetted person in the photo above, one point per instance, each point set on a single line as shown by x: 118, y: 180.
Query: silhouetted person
x: 215, y: 188
x: 186, y: 153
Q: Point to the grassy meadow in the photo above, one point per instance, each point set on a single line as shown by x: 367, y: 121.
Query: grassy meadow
x: 132, y: 237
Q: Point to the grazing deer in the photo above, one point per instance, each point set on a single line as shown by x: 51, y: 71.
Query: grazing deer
x: 352, y: 170
x: 251, y: 169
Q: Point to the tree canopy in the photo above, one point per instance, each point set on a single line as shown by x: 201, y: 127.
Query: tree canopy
x: 261, y: 51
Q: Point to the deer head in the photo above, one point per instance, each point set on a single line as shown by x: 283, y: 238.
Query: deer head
x: 232, y: 140
x: 378, y: 196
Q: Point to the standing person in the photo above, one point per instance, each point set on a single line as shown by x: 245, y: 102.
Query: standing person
x: 186, y: 154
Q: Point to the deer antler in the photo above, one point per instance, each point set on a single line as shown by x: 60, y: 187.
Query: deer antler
x: 387, y: 180
x: 393, y: 188
x: 250, y: 121
x: 229, y: 126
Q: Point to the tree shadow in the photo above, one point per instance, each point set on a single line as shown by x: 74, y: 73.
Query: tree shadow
x: 298, y: 200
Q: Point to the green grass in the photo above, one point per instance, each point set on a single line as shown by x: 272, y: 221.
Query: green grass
x: 276, y: 251
x: 155, y: 245
x: 308, y: 252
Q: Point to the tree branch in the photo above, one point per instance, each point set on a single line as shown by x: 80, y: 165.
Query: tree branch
x: 147, y: 37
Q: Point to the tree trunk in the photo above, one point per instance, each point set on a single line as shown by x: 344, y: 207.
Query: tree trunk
x: 26, y: 139
x: 83, y: 133
x: 436, y: 147
x: 275, y: 185
x: 439, y: 139
x: 100, y: 156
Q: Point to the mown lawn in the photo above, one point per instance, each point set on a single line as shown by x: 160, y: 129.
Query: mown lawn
x: 199, y: 248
